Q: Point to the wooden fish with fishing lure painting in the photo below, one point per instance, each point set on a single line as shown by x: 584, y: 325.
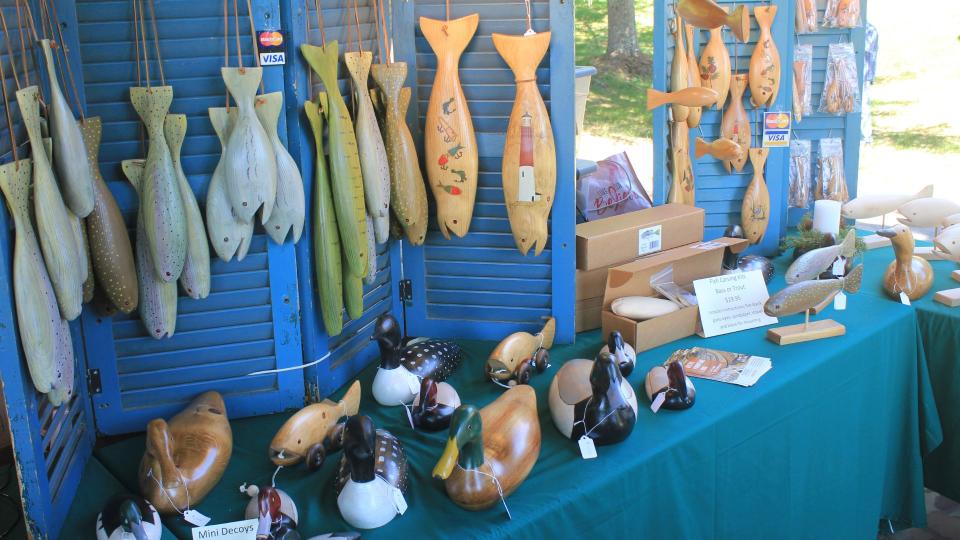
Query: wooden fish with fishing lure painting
x: 755, y: 209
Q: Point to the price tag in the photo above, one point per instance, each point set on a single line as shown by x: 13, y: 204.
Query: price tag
x: 904, y: 299
x: 399, y: 501
x: 840, y: 301
x: 195, y: 518
x: 658, y: 402
x: 839, y: 266
x: 414, y: 384
x: 587, y: 449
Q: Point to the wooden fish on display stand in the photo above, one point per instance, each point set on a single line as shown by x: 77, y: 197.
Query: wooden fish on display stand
x: 707, y: 14
x: 948, y: 242
x: 408, y: 196
x: 229, y: 235
x: 449, y: 140
x: 519, y: 354
x: 682, y: 189
x: 951, y: 220
x: 434, y: 406
x: 128, y: 517
x: 592, y: 398
x: 815, y: 262
x: 55, y: 234
x: 679, y: 70
x: 69, y: 154
x: 289, y: 208
x: 721, y: 149
x: 672, y: 381
x: 765, y: 61
x: 907, y: 273
x: 691, y: 97
x: 715, y: 67
x: 186, y: 456
x: 755, y: 209
x: 110, y: 248
x: 309, y: 430
x: 693, y: 75
x: 869, y: 206
x: 806, y: 297
x: 529, y: 156
x: 927, y: 212
x: 403, y: 366
x: 735, y: 125
x: 275, y: 512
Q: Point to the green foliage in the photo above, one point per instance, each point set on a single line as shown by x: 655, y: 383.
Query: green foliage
x: 808, y: 238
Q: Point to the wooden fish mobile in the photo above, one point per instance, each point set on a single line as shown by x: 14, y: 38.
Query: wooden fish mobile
x: 735, y: 125
x: 229, y: 235
x: 707, y: 14
x: 765, y: 61
x: 289, y: 209
x: 449, y: 125
x: 755, y: 210
x: 948, y: 242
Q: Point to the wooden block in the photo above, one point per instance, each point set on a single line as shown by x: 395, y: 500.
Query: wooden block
x: 956, y: 275
x: 788, y: 335
x: 929, y: 254
x: 875, y: 241
x: 948, y: 297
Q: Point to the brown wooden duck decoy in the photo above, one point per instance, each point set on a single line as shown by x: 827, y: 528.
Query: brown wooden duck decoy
x: 275, y: 512
x: 519, y: 354
x: 907, y: 273
x: 403, y: 366
x: 622, y: 352
x: 434, y: 405
x: 186, y: 457
x: 496, y: 445
x: 311, y: 426
x: 592, y: 398
x: 673, y: 381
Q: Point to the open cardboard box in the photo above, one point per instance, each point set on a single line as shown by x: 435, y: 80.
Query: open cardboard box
x: 690, y: 263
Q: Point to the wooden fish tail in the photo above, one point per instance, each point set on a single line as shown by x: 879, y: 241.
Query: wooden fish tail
x: 548, y: 333
x: 853, y: 280
x: 389, y: 77
x: 453, y: 35
x: 323, y: 60
x: 225, y: 230
x: 289, y: 208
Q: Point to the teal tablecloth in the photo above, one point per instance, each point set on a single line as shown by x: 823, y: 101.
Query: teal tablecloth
x: 825, y: 445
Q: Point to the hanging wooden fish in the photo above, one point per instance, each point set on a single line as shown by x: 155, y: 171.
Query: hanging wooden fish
x: 755, y: 209
x: 346, y: 177
x: 693, y: 75
x: 529, y: 168
x: 228, y: 234
x: 250, y: 164
x: 195, y: 278
x: 715, y: 66
x: 679, y: 68
x: 722, y: 149
x: 682, y: 189
x: 691, y: 97
x: 110, y: 249
x: 86, y: 267
x: 735, y: 125
x: 707, y: 14
x: 128, y: 517
x: 89, y: 284
x: 452, y: 157
x: 765, y: 61
x: 41, y: 327
x: 372, y: 246
x: 289, y: 209
x: 69, y: 154
x: 408, y: 196
x: 164, y: 220
x: 353, y: 294
x: 54, y: 231
x: 373, y: 153
x: 158, y: 299
x: 327, y: 265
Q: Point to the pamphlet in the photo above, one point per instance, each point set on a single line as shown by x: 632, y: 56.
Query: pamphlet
x: 727, y: 367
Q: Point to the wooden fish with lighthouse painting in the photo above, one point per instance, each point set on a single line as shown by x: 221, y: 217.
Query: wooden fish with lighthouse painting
x: 806, y: 297
x: 452, y: 159
x: 529, y: 155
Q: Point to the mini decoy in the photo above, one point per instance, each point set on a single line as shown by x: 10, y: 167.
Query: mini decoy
x: 402, y: 367
x: 491, y: 450
x: 128, y: 517
x: 519, y: 354
x: 593, y: 399
x: 622, y: 352
x: 434, y: 405
x: 672, y: 381
x: 907, y: 273
x: 311, y: 426
x: 275, y: 512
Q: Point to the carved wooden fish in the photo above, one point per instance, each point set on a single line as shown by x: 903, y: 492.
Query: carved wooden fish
x: 289, y: 209
x: 817, y: 261
x: 948, y: 241
x: 372, y: 265
x: 707, y: 14
x: 806, y: 295
x: 765, y: 61
x: 722, y: 149
x: 868, y: 206
x: 691, y: 97
x: 679, y: 71
x: 755, y: 208
x: 927, y: 212
x: 735, y: 125
x: 715, y: 67
x: 86, y: 266
x: 229, y: 235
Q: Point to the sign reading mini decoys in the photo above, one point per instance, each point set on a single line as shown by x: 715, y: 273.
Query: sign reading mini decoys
x: 732, y: 302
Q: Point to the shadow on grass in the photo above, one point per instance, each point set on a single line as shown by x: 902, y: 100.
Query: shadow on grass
x: 930, y: 139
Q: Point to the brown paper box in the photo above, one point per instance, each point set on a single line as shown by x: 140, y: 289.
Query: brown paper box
x: 588, y: 314
x: 615, y: 240
x: 591, y: 283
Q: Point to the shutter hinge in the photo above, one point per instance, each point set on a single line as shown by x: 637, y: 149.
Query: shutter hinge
x: 406, y: 290
x: 93, y: 381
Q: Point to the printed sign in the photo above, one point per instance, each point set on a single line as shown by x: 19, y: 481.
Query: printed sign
x: 235, y: 530
x: 732, y: 302
x: 273, y: 51
x: 776, y: 129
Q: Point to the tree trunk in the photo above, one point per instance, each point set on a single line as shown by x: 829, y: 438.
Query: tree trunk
x: 622, y: 28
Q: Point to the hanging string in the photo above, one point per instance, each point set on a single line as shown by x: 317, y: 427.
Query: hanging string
x: 320, y: 25
x: 23, y: 47
x: 6, y: 101
x: 356, y: 18
x: 226, y: 46
x: 348, y: 29
x: 526, y: 4
x: 45, y: 20
x: 236, y: 31
x: 142, y: 41
x: 156, y: 43
x: 6, y: 39
x: 62, y: 45
x: 386, y: 47
x: 306, y: 38
x: 256, y: 45
x: 141, y: 130
x: 376, y: 23
x: 36, y: 38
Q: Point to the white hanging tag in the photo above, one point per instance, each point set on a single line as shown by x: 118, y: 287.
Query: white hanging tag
x: 195, y: 518
x: 839, y: 266
x: 399, y: 501
x: 904, y: 299
x: 840, y: 301
x: 409, y: 416
x: 658, y: 402
x: 587, y: 449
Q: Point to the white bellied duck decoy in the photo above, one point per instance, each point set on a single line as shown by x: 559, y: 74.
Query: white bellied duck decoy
x: 622, y: 352
x: 672, y: 380
x: 592, y: 398
x: 402, y: 367
x: 434, y: 405
x: 128, y: 517
x: 275, y: 512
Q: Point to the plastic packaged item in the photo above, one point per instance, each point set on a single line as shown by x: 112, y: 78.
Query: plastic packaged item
x: 800, y: 171
x: 662, y: 282
x: 613, y: 189
x: 802, y: 82
x: 831, y: 180
x: 842, y: 14
x: 841, y: 88
x: 806, y: 20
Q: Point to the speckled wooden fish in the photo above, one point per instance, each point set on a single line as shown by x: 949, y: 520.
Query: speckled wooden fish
x: 765, y: 61
x: 110, y: 249
x: 373, y: 153
x: 815, y: 262
x: 755, y: 209
x: 195, y: 278
x: 250, y: 164
x: 289, y: 209
x: 868, y: 206
x: 735, y: 125
x: 41, y: 327
x: 814, y: 294
x: 54, y: 230
x: 372, y: 263
x: 161, y: 208
x: 69, y: 153
x: 229, y: 235
x: 158, y: 299
x: 408, y: 195
x: 353, y: 294
x: 927, y: 212
x: 346, y: 177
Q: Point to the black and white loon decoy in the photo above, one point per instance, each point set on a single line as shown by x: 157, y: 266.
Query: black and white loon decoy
x: 128, y: 516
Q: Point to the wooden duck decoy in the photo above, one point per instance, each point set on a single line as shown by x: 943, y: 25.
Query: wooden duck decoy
x: 691, y: 97
x: 679, y: 70
x: 186, y: 457
x: 434, y: 405
x: 492, y: 447
x: 765, y: 61
x: 755, y: 209
x: 529, y: 155
x: 622, y: 352
x: 229, y: 235
x: 693, y: 75
x: 312, y: 426
x: 735, y: 125
x: 674, y: 383
x: 682, y: 189
x: 373, y: 475
x: 721, y: 149
x: 275, y: 512
x: 707, y: 14
x: 290, y: 207
x: 592, y: 398
x: 519, y: 354
x: 128, y: 517
x: 907, y: 273
x: 452, y: 159
x: 402, y: 367
x: 715, y: 67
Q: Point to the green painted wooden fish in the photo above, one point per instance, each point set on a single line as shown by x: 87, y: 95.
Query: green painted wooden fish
x: 229, y: 235
x: 372, y: 246
x: 250, y: 164
x: 373, y: 154
x: 195, y: 278
x: 345, y: 173
x: 408, y: 194
x: 55, y: 233
x: 69, y: 155
x: 289, y: 209
x: 353, y: 295
x: 327, y: 265
x: 814, y: 294
x: 158, y: 299
x: 161, y: 207
x: 109, y: 242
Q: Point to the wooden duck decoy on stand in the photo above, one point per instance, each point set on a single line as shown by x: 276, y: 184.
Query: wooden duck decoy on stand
x: 434, y: 405
x: 593, y: 399
x: 515, y: 358
x: 401, y: 367
x: 907, y: 273
x: 128, y: 517
x: 275, y: 512
x: 311, y: 426
x: 674, y: 383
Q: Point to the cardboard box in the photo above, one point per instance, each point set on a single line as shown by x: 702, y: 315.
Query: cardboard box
x: 690, y: 263
x: 591, y: 283
x: 623, y: 238
x: 588, y: 314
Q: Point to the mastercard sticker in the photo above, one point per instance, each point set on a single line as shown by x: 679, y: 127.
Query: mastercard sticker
x: 776, y: 129
x: 272, y: 47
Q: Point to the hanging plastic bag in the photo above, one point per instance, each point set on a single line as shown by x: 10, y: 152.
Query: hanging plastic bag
x: 831, y: 181
x: 842, y: 14
x: 802, y: 82
x: 806, y: 21
x: 800, y: 170
x: 841, y: 89
x: 611, y: 190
